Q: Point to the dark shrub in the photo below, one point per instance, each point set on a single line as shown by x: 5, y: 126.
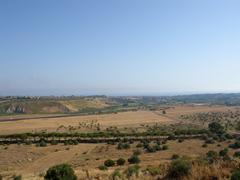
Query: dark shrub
x: 237, y: 154
x: 109, y: 163
x: 151, y: 149
x: 216, y: 127
x: 179, y: 168
x: 209, y: 141
x: 204, y: 145
x: 235, y: 175
x: 165, y: 147
x: 212, y: 154
x: 134, y: 159
x: 121, y: 162
x: 158, y: 142
x: 171, y: 137
x: 17, y: 177
x: 223, y: 152
x: 42, y: 143
x: 175, y: 156
x: 236, y: 145
x: 180, y: 140
x: 226, y: 158
x: 60, y: 172
x: 146, y: 145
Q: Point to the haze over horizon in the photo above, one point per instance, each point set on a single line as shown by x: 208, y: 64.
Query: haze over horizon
x: 127, y: 47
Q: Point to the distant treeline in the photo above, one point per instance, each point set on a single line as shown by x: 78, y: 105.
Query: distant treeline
x: 232, y: 99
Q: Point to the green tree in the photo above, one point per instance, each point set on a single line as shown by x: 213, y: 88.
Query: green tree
x: 235, y: 175
x: 134, y: 159
x: 212, y: 154
x: 109, y: 163
x: 179, y: 168
x: 60, y: 172
x: 121, y: 162
x: 216, y: 127
x: 223, y: 152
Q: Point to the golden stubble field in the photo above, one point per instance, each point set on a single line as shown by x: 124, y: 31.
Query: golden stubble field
x: 120, y: 120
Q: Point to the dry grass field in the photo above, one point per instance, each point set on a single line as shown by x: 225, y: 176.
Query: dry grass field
x: 31, y: 161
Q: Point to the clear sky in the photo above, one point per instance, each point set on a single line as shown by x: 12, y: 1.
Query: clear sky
x: 119, y: 47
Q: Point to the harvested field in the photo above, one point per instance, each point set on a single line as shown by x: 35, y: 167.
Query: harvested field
x: 125, y: 119
x: 120, y: 120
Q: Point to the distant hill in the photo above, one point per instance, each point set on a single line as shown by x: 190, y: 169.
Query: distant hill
x: 46, y: 106
x: 103, y: 104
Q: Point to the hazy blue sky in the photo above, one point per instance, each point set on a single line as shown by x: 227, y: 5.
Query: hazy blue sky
x: 119, y: 46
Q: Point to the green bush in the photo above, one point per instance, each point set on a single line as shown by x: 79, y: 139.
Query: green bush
x: 212, y: 154
x: 121, y: 162
x: 179, y: 168
x: 103, y: 168
x: 223, y: 152
x: 132, y: 170
x: 17, y: 177
x: 134, y: 159
x: 237, y: 154
x: 116, y: 174
x: 109, y: 163
x: 235, y: 175
x: 151, y: 149
x: 216, y: 127
x: 157, y: 147
x: 42, y: 144
x: 60, y: 172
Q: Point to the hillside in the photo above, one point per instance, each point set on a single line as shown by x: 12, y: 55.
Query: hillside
x: 45, y: 106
